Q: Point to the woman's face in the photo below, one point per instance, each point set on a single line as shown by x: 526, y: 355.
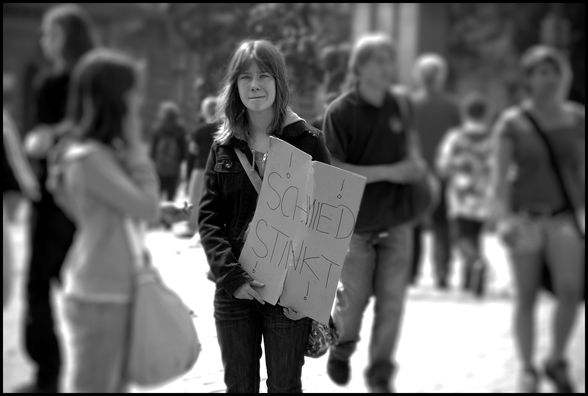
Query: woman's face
x: 52, y: 38
x: 257, y: 89
x: 544, y: 80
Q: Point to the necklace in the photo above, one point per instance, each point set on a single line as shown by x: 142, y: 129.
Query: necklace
x: 260, y: 159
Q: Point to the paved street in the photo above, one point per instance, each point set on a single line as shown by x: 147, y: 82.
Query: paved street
x: 449, y: 342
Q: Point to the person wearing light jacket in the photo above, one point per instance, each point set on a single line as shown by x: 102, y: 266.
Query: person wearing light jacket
x: 102, y: 176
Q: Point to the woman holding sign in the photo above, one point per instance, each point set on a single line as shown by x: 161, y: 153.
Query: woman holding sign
x: 254, y: 106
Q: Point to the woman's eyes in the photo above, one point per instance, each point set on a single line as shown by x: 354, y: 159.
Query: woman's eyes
x: 249, y: 76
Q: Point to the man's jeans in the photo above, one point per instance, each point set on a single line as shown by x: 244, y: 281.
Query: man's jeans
x: 377, y: 264
x: 240, y: 325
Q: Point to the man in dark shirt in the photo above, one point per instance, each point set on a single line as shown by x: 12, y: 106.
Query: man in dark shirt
x: 435, y: 113
x: 365, y: 134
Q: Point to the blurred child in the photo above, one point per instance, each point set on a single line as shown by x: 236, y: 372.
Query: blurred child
x: 169, y: 149
x: 464, y: 160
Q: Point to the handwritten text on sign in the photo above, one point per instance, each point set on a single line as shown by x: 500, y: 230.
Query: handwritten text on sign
x: 300, y: 233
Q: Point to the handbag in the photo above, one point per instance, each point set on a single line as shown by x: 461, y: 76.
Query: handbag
x: 164, y: 343
x: 546, y: 281
x: 320, y: 336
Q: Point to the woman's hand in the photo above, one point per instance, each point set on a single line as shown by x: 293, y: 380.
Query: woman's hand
x: 173, y: 213
x: 247, y: 291
x: 508, y: 229
x: 407, y: 171
x: 38, y: 141
x: 292, y: 314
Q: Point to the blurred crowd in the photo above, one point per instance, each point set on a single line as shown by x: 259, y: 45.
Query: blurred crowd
x: 85, y: 167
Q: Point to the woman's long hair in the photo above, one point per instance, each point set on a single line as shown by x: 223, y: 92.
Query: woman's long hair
x: 78, y: 31
x: 269, y: 60
x: 99, y: 87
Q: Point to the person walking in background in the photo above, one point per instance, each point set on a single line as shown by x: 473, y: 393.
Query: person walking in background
x: 254, y: 105
x: 365, y: 134
x: 199, y: 145
x: 318, y: 121
x: 435, y: 112
x: 464, y: 162
x: 102, y: 177
x: 18, y: 180
x: 67, y: 34
x: 535, y: 219
x: 169, y: 149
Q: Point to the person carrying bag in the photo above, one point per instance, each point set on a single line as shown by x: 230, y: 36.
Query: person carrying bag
x: 538, y: 186
x: 578, y: 207
x: 164, y: 343
x: 321, y: 336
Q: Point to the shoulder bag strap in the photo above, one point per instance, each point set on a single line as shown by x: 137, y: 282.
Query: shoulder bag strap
x: 555, y: 165
x: 251, y: 173
x: 135, y: 237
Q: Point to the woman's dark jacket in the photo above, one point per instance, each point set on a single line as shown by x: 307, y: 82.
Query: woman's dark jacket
x: 229, y: 200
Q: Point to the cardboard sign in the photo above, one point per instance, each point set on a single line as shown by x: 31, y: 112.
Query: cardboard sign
x: 299, y: 236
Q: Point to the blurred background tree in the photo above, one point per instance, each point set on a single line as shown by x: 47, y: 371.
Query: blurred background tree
x: 300, y: 30
x: 211, y: 30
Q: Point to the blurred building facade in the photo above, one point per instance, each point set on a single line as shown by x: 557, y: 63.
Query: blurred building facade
x: 415, y: 27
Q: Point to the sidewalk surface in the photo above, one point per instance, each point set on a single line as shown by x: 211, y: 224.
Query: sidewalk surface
x: 449, y: 342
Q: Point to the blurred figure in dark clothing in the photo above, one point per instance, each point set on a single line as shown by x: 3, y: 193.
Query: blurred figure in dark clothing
x: 18, y: 181
x: 318, y: 121
x: 434, y: 114
x: 67, y: 34
x: 200, y: 144
x: 168, y: 149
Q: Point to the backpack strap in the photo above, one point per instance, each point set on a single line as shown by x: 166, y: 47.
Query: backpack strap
x: 251, y: 173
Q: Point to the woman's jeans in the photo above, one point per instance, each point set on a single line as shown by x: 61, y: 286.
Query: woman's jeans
x: 97, y: 344
x: 240, y: 325
x: 377, y: 264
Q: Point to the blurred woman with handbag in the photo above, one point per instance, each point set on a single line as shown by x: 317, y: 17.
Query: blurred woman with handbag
x: 101, y: 174
x: 536, y: 215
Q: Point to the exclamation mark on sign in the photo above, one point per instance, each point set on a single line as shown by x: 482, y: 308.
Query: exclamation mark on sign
x: 289, y: 166
x: 307, y: 289
x: 257, y: 262
x: 341, y: 189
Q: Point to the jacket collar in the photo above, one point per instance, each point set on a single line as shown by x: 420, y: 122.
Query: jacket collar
x: 293, y: 126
